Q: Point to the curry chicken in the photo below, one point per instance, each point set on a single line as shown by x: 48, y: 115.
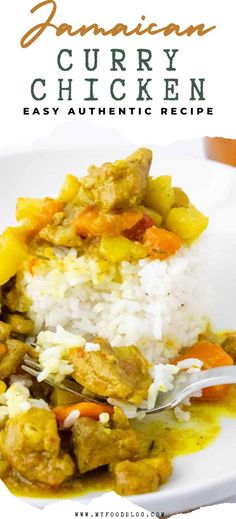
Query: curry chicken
x: 51, y: 438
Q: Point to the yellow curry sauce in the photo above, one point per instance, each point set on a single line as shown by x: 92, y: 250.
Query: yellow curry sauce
x: 169, y: 437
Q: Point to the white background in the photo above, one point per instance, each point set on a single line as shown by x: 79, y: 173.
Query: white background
x: 210, y: 56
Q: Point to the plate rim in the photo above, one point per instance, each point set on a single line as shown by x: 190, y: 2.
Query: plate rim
x: 221, y: 485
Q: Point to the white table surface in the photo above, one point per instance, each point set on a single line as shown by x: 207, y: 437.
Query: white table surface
x: 193, y: 148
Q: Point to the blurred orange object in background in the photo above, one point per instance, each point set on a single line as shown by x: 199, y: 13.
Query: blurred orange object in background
x: 223, y: 150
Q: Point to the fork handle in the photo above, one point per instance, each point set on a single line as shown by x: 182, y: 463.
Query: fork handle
x: 211, y: 377
x: 207, y: 378
x: 191, y: 383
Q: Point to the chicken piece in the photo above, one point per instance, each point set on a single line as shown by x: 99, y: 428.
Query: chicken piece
x: 141, y: 476
x: 4, y: 467
x: 60, y: 235
x: 96, y: 445
x: 12, y: 296
x: 12, y: 359
x: 135, y: 369
x: 112, y: 372
x: 117, y: 185
x: 31, y: 444
x: 229, y: 346
x: 4, y: 464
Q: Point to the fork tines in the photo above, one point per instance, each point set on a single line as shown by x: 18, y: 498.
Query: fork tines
x: 34, y: 369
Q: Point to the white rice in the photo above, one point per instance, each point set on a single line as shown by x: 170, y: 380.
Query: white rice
x: 160, y: 306
x: 71, y: 418
x: 130, y: 410
x: 17, y: 399
x: 190, y: 365
x: 91, y: 346
x: 163, y: 378
x: 53, y: 349
x: 104, y: 418
x: 181, y: 415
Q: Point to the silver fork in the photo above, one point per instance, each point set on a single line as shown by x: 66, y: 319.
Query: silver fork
x: 34, y: 369
x: 185, y: 385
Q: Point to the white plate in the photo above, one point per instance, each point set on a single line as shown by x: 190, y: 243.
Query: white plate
x: 209, y: 475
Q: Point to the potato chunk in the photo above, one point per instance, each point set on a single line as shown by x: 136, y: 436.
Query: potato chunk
x: 187, y: 222
x: 159, y: 194
x: 120, y: 249
x: 13, y: 253
x: 69, y: 189
x: 181, y: 199
x: 5, y: 330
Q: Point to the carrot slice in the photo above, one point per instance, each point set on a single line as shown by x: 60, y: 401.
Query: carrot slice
x: 92, y: 222
x: 89, y: 409
x: 212, y: 356
x: 161, y: 243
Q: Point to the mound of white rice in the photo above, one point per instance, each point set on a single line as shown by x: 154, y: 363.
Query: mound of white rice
x: 160, y: 306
